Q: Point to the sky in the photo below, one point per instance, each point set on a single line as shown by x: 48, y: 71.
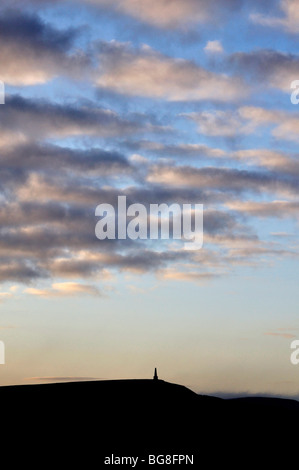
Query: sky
x: 161, y: 101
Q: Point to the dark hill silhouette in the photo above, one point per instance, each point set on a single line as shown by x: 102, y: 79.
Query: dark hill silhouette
x: 81, y: 422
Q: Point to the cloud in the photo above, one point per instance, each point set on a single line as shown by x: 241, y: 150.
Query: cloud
x: 90, y: 263
x: 47, y: 221
x: 70, y: 252
x: 40, y: 119
x: 14, y: 288
x: 64, y: 289
x: 219, y: 123
x: 242, y: 121
x: 172, y: 13
x: 288, y: 22
x: 49, y: 172
x: 279, y: 209
x: 193, y: 276
x: 11, y: 138
x: 285, y: 125
x: 29, y: 162
x: 287, y: 129
x: 61, y: 379
x: 9, y: 4
x: 139, y: 159
x: 49, y: 191
x: 267, y: 67
x: 19, y: 270
x: 181, y: 151
x: 268, y: 158
x: 246, y: 120
x: 33, y: 52
x: 253, y: 253
x: 53, y: 232
x: 5, y: 296
x: 214, y: 47
x: 222, y: 179
x: 281, y: 335
x: 148, y: 73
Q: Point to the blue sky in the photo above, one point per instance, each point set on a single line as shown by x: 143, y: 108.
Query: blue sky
x: 164, y: 101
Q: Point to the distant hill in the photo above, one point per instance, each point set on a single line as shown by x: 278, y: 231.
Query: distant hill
x: 82, y: 422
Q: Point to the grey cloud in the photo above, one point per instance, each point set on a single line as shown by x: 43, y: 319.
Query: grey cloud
x: 57, y: 240
x: 286, y: 18
x: 49, y: 172
x: 49, y: 193
x: 184, y: 150
x: 32, y: 51
x: 48, y: 222
x: 51, y: 159
x: 43, y: 119
x: 142, y: 261
x: 277, y: 209
x: 266, y: 66
x: 247, y: 120
x: 224, y: 179
x: 147, y: 73
x: 31, y: 30
x: 20, y: 270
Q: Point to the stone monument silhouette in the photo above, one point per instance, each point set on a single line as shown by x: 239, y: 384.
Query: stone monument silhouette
x: 155, y: 375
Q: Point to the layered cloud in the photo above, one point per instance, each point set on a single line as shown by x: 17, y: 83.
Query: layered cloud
x: 247, y: 120
x: 171, y: 13
x: 267, y: 67
x: 148, y: 73
x: 159, y: 126
x: 223, y: 179
x: 181, y: 151
x: 268, y: 158
x: 280, y: 209
x: 63, y: 289
x: 51, y: 193
x: 32, y: 119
